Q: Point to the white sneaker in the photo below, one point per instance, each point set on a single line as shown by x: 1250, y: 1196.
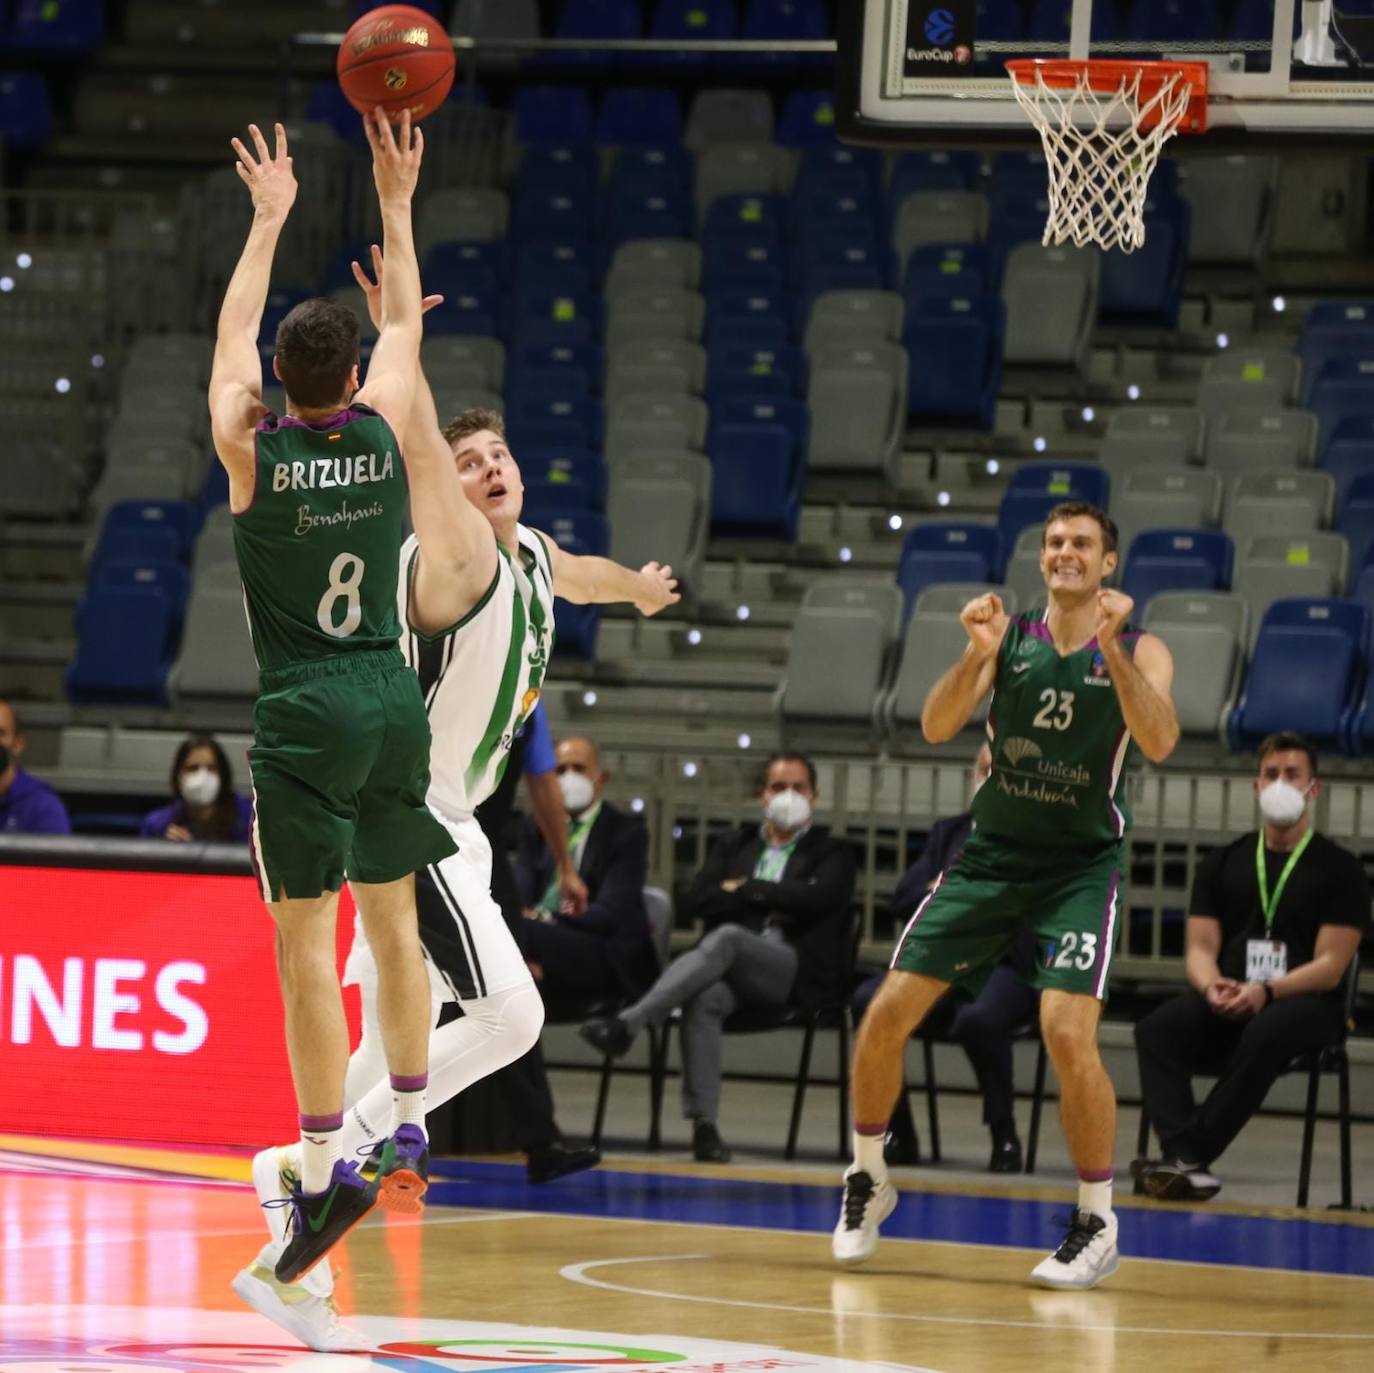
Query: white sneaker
x: 1086, y: 1257
x: 274, y: 1172
x: 864, y: 1207
x: 312, y: 1320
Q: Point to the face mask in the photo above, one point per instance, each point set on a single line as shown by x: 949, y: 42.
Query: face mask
x: 200, y: 786
x: 578, y: 791
x: 788, y: 810
x: 1282, y: 804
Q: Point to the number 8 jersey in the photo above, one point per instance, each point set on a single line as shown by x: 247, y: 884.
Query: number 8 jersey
x: 317, y: 546
x: 1059, y: 743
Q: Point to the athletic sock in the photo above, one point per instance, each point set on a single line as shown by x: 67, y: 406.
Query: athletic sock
x: 321, y: 1149
x: 408, y: 1100
x: 868, y: 1149
x: 1095, y: 1193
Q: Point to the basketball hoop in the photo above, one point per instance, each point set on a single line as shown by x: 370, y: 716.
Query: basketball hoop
x: 1103, y: 125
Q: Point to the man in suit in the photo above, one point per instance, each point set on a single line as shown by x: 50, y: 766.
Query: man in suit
x: 604, y: 950
x: 774, y: 900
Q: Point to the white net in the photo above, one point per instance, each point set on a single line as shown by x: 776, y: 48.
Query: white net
x: 1102, y: 147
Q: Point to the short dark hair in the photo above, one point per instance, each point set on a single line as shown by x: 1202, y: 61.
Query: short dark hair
x: 1068, y: 510
x: 1284, y: 741
x: 317, y: 347
x: 474, y: 421
x: 783, y: 757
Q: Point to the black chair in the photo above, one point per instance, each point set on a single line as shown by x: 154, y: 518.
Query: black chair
x: 1332, y: 1059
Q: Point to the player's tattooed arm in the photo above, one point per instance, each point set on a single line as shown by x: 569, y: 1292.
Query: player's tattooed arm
x: 952, y: 699
x: 1143, y: 683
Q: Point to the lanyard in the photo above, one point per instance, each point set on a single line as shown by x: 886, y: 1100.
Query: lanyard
x: 1267, y: 904
x: 578, y: 830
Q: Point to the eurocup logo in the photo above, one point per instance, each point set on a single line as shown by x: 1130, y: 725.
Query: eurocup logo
x: 939, y: 26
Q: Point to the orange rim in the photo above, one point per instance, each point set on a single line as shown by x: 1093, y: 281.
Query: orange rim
x: 1107, y: 75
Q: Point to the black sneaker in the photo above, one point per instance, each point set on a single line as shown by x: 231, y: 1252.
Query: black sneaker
x: 317, y: 1222
x: 558, y: 1159
x: 609, y: 1036
x: 707, y: 1145
x: 1006, y: 1156
x: 900, y: 1150
x: 1177, y: 1180
x: 402, y: 1175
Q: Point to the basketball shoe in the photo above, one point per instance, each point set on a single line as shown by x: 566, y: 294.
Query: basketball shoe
x: 866, y: 1204
x: 312, y: 1319
x: 1087, y: 1255
x: 317, y: 1221
x: 275, y: 1172
x: 402, y: 1175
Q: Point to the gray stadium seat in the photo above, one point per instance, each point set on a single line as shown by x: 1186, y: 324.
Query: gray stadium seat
x: 654, y: 313
x: 938, y: 217
x: 1232, y: 203
x: 1165, y: 498
x: 1259, y: 368
x: 659, y: 510
x: 1259, y: 441
x: 1151, y: 436
x: 451, y: 401
x: 216, y: 659
x: 728, y: 116
x: 156, y: 351
x: 1272, y: 567
x: 140, y: 427
x: 854, y: 317
x: 857, y: 395
x: 353, y: 297
x: 1024, y: 579
x: 39, y: 482
x: 631, y: 367
x: 472, y: 214
x: 1207, y: 633
x: 640, y: 424
x: 740, y: 169
x: 840, y: 621
x: 1278, y: 503
x: 654, y: 262
x: 508, y: 19
x: 131, y: 481
x: 484, y: 355
x: 1051, y: 299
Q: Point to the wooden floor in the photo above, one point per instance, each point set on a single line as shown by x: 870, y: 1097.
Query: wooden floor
x: 109, y: 1268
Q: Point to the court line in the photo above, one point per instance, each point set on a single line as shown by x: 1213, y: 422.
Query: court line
x: 577, y: 1272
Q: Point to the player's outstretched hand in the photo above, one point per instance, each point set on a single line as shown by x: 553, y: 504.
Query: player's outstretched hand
x: 395, y: 156
x: 372, y: 289
x: 662, y: 589
x: 1113, y: 610
x: 985, y: 621
x: 269, y: 177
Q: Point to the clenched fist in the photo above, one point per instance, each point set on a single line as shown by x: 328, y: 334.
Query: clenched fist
x: 985, y: 622
x: 1113, y: 609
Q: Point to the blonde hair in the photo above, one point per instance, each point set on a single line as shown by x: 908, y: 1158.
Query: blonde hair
x: 473, y: 421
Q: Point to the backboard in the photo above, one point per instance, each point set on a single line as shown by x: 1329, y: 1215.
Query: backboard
x: 932, y: 71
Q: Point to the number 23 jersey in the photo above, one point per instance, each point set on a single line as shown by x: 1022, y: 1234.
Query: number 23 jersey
x: 1059, y: 743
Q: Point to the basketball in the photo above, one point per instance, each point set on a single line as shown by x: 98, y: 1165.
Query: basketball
x: 397, y: 57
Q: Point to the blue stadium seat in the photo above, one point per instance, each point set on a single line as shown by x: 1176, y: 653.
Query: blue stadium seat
x: 467, y: 314
x: 651, y: 168
x: 1177, y: 560
x: 539, y: 262
x: 1049, y: 21
x: 690, y: 19
x: 808, y: 117
x: 787, y: 21
x: 124, y: 647
x: 328, y: 105
x: 525, y: 411
x: 1147, y: 285
x: 725, y: 330
x: 741, y: 264
x: 1334, y: 330
x: 569, y: 496
x: 793, y: 414
x: 821, y: 214
x: 638, y: 116
x: 154, y: 526
x: 1343, y: 387
x: 585, y: 359
x: 540, y: 315
x: 456, y: 269
x: 1036, y: 487
x: 1349, y: 451
x: 759, y: 218
x: 955, y: 349
x: 546, y: 384
x: 755, y: 481
x: 583, y: 534
x: 171, y: 578
x: 943, y: 270
x: 551, y: 168
x: 1306, y: 672
x: 733, y: 310
x: 755, y: 372
x: 524, y: 434
x: 1356, y: 519
x: 628, y: 214
x: 1172, y: 21
x: 565, y: 469
x: 819, y: 164
x: 62, y: 28
x: 998, y: 19
x: 594, y: 19
x: 554, y: 214
x: 552, y: 114
x: 278, y: 305
x: 25, y: 109
x: 927, y: 169
x: 944, y: 551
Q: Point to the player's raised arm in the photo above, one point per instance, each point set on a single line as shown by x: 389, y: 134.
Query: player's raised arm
x: 599, y: 581
x: 1144, y: 684
x: 952, y: 699
x: 396, y: 354
x: 457, y: 546
x: 236, y: 376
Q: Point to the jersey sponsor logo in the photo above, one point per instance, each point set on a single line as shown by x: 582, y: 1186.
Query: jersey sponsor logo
x: 307, y: 519
x: 1021, y: 788
x: 320, y: 474
x: 1017, y: 749
x: 1018, y: 668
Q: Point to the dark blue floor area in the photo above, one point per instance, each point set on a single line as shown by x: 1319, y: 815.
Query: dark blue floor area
x: 1200, y: 1236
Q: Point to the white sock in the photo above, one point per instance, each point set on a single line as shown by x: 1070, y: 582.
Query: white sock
x: 1096, y: 1198
x: 320, y: 1151
x: 408, y: 1105
x: 868, y: 1154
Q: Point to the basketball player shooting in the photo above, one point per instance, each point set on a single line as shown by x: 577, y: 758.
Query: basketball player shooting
x: 340, y: 760
x: 1074, y: 685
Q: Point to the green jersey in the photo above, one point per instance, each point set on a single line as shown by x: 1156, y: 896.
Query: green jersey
x: 317, y: 546
x: 1059, y: 743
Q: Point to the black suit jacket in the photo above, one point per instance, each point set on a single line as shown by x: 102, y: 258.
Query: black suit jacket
x: 811, y: 903
x: 615, y: 865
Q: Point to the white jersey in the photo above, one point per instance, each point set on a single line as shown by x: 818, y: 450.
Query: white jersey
x: 481, y: 677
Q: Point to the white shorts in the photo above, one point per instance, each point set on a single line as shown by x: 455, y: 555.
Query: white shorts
x: 469, y: 951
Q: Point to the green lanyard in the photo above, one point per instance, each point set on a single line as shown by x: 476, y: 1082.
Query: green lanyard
x: 1268, y: 905
x: 577, y: 837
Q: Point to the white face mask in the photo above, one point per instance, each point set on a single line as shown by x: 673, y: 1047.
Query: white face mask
x: 1282, y: 804
x: 200, y: 786
x: 788, y: 810
x: 578, y: 791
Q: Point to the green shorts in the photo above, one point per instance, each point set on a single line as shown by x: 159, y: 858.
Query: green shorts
x: 340, y: 766
x: 1070, y: 897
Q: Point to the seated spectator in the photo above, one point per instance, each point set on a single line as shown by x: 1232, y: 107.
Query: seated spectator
x: 604, y: 949
x: 206, y: 808
x: 1275, y: 919
x: 982, y: 1020
x: 774, y: 900
x: 27, y: 806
